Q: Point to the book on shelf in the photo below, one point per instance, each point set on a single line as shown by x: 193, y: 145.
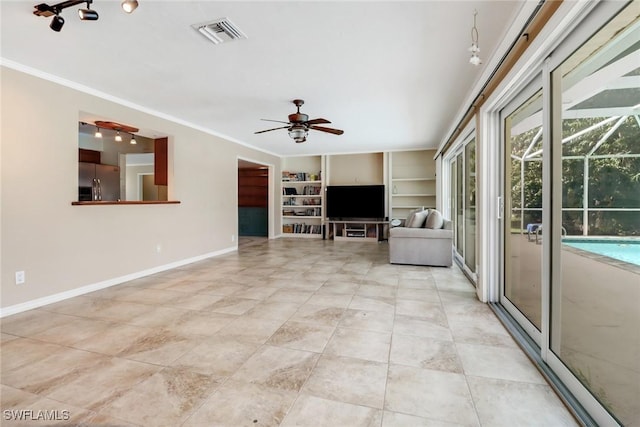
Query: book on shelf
x: 311, y: 190
x: 300, y: 176
x: 301, y: 228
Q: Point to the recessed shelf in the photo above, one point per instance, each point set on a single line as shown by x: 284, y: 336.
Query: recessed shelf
x: 412, y: 179
x: 413, y: 195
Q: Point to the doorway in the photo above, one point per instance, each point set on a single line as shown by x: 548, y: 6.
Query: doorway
x: 253, y: 199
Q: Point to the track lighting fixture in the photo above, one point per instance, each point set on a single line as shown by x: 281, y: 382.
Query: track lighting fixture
x: 87, y: 14
x: 98, y: 134
x: 56, y: 23
x: 118, y: 137
x: 129, y: 5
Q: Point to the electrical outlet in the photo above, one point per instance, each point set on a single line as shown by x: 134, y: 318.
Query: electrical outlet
x: 233, y: 238
x: 19, y: 277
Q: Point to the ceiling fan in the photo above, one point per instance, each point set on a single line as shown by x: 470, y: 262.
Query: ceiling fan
x: 299, y: 124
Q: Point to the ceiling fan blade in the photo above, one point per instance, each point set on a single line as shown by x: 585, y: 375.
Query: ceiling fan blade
x: 328, y: 130
x: 269, y: 130
x: 317, y: 122
x: 277, y: 121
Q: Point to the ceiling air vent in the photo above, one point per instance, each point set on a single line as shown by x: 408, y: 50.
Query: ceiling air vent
x: 220, y: 31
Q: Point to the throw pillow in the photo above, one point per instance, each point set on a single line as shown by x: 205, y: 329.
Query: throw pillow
x: 418, y: 219
x: 434, y: 220
x: 409, y: 219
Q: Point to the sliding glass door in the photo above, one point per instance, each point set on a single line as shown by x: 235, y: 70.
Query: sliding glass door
x: 570, y: 225
x: 522, y: 225
x: 595, y: 287
x: 463, y: 203
x: 470, y: 205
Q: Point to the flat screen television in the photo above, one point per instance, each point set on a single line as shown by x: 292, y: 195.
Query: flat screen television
x: 359, y: 202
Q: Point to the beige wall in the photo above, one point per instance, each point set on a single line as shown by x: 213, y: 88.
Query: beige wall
x: 62, y: 247
x: 131, y: 174
x: 356, y: 169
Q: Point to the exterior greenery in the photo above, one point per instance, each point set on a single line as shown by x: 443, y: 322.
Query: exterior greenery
x: 609, y: 155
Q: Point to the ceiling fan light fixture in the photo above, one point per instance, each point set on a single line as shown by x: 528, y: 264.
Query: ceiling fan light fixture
x: 298, y: 133
x: 129, y: 5
x: 299, y: 124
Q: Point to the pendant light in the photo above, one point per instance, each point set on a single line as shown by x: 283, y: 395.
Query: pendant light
x: 118, y: 137
x: 475, y: 48
x: 133, y: 140
x: 98, y: 134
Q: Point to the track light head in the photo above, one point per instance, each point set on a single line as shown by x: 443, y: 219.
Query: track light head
x: 88, y: 14
x: 129, y: 5
x: 56, y: 23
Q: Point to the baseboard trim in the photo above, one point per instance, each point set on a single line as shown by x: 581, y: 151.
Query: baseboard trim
x: 40, y: 302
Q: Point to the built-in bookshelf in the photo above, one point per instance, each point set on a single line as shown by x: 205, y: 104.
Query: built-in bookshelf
x: 413, y: 181
x: 302, y: 198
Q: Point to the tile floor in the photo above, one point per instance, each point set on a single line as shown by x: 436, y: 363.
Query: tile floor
x: 285, y: 332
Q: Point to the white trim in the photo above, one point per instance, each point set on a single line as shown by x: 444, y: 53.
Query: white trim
x: 40, y: 302
x: 94, y: 92
x: 487, y: 210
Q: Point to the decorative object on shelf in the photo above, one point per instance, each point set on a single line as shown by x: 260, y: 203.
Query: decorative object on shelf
x: 299, y: 124
x: 395, y: 222
x: 88, y: 14
x: 475, y: 48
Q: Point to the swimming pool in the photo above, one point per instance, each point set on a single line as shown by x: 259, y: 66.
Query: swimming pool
x: 621, y: 249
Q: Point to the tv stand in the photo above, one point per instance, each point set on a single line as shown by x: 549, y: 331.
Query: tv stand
x: 357, y: 230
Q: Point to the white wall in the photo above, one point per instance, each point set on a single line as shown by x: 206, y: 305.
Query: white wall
x: 62, y: 247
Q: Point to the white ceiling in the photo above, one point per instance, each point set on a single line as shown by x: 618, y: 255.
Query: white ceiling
x: 393, y: 75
